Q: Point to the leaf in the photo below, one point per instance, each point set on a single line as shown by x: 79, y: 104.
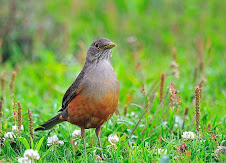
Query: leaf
x: 39, y: 144
x: 48, y: 150
x: 25, y: 143
x: 31, y: 142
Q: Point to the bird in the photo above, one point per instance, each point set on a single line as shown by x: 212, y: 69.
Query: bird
x: 93, y: 97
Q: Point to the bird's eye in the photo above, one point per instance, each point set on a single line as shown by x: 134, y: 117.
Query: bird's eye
x: 97, y: 45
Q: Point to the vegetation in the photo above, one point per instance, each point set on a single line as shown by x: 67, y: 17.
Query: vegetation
x: 169, y: 61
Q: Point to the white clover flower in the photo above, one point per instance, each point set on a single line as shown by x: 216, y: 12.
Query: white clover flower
x: 164, y: 123
x: 10, y: 136
x: 132, y: 114
x: 29, y: 156
x: 162, y: 151
x: 24, y: 160
x: 113, y: 139
x: 61, y: 142
x: 188, y: 135
x: 75, y: 143
x: 76, y: 133
x: 15, y: 128
x: 178, y: 121
x: 52, y: 140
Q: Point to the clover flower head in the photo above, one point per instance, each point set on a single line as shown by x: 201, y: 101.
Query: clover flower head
x: 164, y: 123
x: 29, y: 156
x: 15, y: 128
x: 61, y: 142
x: 113, y: 139
x: 188, y: 135
x: 133, y: 114
x: 24, y: 160
x: 178, y: 121
x: 76, y: 133
x: 53, y: 140
x: 10, y: 136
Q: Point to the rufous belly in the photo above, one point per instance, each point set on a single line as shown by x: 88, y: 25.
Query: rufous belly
x: 90, y: 112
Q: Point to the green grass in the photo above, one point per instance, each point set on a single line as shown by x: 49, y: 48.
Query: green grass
x: 158, y: 26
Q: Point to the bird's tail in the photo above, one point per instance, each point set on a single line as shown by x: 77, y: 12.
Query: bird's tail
x: 50, y: 123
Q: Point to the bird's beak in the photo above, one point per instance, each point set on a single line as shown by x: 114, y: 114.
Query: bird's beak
x: 109, y: 46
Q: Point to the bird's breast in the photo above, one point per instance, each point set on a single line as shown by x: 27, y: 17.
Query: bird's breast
x: 101, y: 80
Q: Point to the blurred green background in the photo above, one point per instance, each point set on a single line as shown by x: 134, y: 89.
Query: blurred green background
x: 46, y: 42
x: 67, y: 27
x: 50, y: 39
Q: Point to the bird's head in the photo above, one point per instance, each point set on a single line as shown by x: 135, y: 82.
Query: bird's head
x: 100, y: 49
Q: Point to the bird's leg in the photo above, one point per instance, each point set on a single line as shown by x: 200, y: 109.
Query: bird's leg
x: 83, y: 133
x: 98, y: 138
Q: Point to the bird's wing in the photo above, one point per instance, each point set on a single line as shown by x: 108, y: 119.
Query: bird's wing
x: 72, y: 91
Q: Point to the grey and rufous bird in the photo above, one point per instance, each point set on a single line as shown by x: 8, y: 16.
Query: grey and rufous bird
x: 93, y: 97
